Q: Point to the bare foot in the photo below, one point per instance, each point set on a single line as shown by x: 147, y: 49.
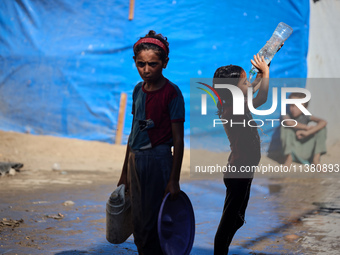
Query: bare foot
x: 316, y: 159
x: 288, y: 160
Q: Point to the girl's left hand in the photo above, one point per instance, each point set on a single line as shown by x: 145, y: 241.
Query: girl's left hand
x: 173, y: 188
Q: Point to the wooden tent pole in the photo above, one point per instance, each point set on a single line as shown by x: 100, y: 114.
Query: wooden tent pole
x: 121, y: 117
x: 131, y: 9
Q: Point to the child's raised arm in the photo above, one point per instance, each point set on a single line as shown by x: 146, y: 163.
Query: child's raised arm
x: 257, y: 82
x: 263, y: 68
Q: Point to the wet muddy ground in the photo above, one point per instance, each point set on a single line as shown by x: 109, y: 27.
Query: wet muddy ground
x: 284, y: 216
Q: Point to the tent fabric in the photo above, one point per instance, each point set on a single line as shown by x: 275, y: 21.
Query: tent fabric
x: 324, y: 50
x: 63, y: 64
x: 323, y: 65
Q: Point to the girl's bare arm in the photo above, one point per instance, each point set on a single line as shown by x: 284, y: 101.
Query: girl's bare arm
x: 263, y: 68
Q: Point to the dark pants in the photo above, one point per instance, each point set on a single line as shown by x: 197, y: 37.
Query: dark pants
x: 235, y: 204
x: 148, y: 172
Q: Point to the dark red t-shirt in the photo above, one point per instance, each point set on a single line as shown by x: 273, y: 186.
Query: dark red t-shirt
x: 154, y: 111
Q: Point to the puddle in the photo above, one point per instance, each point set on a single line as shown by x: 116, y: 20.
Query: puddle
x: 82, y: 230
x: 207, y: 197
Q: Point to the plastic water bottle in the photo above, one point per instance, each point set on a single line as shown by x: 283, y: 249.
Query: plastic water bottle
x: 280, y: 35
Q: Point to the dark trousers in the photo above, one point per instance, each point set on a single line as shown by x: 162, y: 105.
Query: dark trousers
x: 148, y: 172
x: 235, y: 204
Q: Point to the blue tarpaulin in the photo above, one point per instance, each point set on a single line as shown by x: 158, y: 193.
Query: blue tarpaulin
x: 63, y: 64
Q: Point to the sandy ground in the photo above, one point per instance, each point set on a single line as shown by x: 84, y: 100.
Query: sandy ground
x: 56, y: 170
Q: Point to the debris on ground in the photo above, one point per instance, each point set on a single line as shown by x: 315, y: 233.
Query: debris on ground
x: 56, y: 167
x: 68, y: 203
x: 9, y: 168
x: 291, y: 238
x: 11, y: 172
x: 58, y: 216
x: 10, y: 223
x: 40, y: 202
